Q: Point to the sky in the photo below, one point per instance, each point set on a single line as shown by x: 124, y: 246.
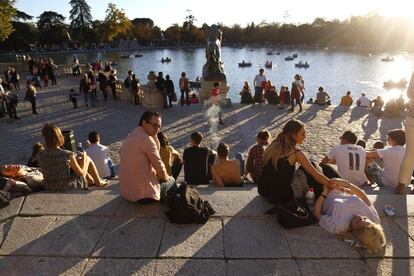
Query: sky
x: 164, y: 13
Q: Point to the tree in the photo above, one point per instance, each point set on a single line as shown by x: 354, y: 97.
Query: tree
x: 116, y: 23
x: 189, y: 20
x: 7, y: 12
x: 81, y: 19
x: 145, y: 21
x: 25, y: 35
x: 51, y: 27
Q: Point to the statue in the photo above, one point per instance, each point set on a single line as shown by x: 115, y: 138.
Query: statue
x: 213, y: 69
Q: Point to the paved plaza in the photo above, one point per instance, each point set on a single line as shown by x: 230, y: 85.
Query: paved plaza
x: 98, y: 233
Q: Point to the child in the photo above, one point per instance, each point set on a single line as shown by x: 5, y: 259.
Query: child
x: 32, y: 160
x: 73, y: 99
x: 194, y: 99
x: 254, y: 162
x: 392, y: 157
x: 215, y: 99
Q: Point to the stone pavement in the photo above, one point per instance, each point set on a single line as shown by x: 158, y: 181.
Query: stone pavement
x: 97, y: 232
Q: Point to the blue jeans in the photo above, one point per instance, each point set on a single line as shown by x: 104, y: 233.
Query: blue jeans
x: 239, y: 156
x: 258, y: 95
x: 88, y: 98
x: 164, y: 187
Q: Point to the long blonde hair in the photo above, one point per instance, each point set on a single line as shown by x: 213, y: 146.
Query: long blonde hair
x: 284, y: 142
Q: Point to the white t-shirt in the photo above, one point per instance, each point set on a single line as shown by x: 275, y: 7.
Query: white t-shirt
x: 339, y: 208
x: 258, y: 80
x: 100, y: 156
x: 392, y: 158
x: 350, y: 160
x: 364, y: 101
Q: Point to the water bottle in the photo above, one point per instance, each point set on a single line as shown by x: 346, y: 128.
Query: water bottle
x: 111, y: 168
x: 79, y: 148
x: 310, y: 197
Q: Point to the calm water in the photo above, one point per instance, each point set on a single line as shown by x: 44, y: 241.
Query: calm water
x: 337, y: 71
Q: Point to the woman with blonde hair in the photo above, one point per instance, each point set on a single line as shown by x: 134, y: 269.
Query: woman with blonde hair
x: 62, y: 169
x: 347, y: 209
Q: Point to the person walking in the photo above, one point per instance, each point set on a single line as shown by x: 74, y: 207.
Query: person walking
x: 85, y: 89
x: 134, y: 88
x: 169, y: 86
x: 296, y: 94
x: 184, y: 88
x: 31, y: 95
x: 407, y: 166
x: 160, y: 84
x: 112, y: 83
x: 258, y: 83
x: 14, y: 78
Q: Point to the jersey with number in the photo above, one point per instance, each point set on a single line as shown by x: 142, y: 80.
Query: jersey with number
x: 350, y: 160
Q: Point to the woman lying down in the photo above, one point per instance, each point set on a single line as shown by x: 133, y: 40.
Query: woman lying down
x: 19, y: 179
x: 347, y: 209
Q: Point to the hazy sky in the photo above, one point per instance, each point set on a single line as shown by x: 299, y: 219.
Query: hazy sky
x: 167, y: 12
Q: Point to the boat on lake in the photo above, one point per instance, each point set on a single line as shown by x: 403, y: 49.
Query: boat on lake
x: 139, y: 55
x: 288, y: 58
x: 295, y: 55
x: 126, y: 56
x: 402, y: 83
x: 387, y: 59
x: 268, y: 64
x: 302, y: 65
x: 245, y: 64
x: 270, y: 53
x: 167, y: 59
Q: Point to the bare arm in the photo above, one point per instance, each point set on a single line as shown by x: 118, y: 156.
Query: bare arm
x: 317, y: 211
x: 74, y: 165
x: 353, y: 189
x: 304, y: 161
x: 249, y: 163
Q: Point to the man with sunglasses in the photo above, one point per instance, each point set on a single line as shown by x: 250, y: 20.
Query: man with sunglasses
x: 142, y: 174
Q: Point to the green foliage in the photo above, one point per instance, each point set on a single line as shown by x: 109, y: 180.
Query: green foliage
x: 7, y: 12
x: 52, y: 29
x: 25, y: 34
x: 116, y: 23
x: 81, y: 20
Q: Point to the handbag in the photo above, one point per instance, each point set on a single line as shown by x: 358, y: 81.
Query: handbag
x: 174, y: 97
x: 299, y: 184
x: 293, y: 214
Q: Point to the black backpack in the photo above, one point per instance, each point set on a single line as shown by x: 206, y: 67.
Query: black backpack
x: 127, y: 83
x: 186, y: 205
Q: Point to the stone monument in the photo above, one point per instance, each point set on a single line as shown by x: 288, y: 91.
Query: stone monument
x: 152, y: 96
x: 213, y: 69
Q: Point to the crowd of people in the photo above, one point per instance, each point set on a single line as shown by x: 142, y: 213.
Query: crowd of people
x: 265, y: 91
x: 149, y: 164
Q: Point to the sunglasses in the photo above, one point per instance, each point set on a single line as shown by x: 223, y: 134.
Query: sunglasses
x: 155, y: 125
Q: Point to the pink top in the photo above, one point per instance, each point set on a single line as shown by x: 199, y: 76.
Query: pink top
x: 139, y: 165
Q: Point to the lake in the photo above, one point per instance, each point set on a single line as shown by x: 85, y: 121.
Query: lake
x: 336, y: 71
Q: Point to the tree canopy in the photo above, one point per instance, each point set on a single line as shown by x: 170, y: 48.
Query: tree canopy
x: 52, y: 28
x: 116, y: 23
x: 81, y: 19
x: 7, y: 13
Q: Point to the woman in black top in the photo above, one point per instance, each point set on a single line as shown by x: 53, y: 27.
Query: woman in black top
x: 280, y: 159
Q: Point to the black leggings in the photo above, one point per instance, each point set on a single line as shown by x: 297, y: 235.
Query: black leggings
x: 327, y: 170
